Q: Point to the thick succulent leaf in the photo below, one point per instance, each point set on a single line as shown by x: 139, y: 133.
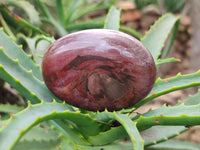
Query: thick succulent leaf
x: 71, y: 9
x: 131, y: 31
x: 151, y: 136
x: 107, y: 137
x: 156, y: 37
x: 179, y: 115
x: 100, y: 24
x: 67, y: 146
x: 58, y: 28
x: 166, y: 60
x: 38, y: 145
x: 114, y: 146
x: 87, y: 9
x: 113, y: 19
x: 6, y: 27
x: 192, y: 99
x: 8, y: 108
x: 176, y: 145
x: 15, y: 52
x: 40, y: 133
x: 68, y: 132
x: 38, y: 46
x: 60, y: 9
x: 29, y: 9
x: 3, y: 123
x: 157, y: 134
x: 131, y: 129
x: 127, y: 124
x: 22, y: 80
x: 163, y: 86
x: 20, y: 123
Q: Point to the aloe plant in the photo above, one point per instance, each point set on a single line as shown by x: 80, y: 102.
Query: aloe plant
x: 48, y: 123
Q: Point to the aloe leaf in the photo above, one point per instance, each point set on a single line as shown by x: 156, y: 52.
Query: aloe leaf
x: 163, y: 86
x: 37, y: 45
x: 113, y: 19
x: 72, y: 9
x: 38, y: 145
x: 40, y: 133
x: 131, y: 129
x: 29, y: 9
x: 60, y: 30
x: 86, y: 10
x: 171, y: 39
x: 93, y: 24
x: 84, y: 25
x: 20, y: 123
x: 8, y: 108
x: 60, y: 10
x: 128, y: 125
x: 179, y: 115
x: 66, y: 146
x: 7, y: 28
x: 158, y: 134
x: 3, y: 123
x: 131, y: 31
x: 15, y: 52
x: 151, y: 136
x: 159, y: 62
x: 69, y: 133
x: 22, y: 80
x: 114, y: 146
x: 176, y: 145
x: 192, y: 99
x: 107, y: 137
x: 156, y: 37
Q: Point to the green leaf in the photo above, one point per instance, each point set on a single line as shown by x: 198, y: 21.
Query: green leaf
x: 176, y: 145
x: 8, y: 108
x: 158, y: 134
x: 72, y: 9
x: 38, y: 145
x: 163, y: 86
x: 151, y: 136
x: 15, y: 52
x: 156, y: 37
x: 59, y: 29
x: 38, y: 45
x: 127, y: 124
x: 87, y: 9
x: 60, y: 10
x: 159, y: 62
x: 40, y: 133
x: 20, y: 123
x: 192, y: 100
x: 113, y: 19
x: 131, y: 129
x: 114, y: 146
x: 29, y: 9
x: 7, y: 28
x: 22, y: 80
x: 131, y: 31
x: 107, y: 137
x: 179, y: 115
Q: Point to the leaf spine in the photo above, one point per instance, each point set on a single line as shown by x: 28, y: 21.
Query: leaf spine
x: 29, y: 104
x: 33, y: 94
